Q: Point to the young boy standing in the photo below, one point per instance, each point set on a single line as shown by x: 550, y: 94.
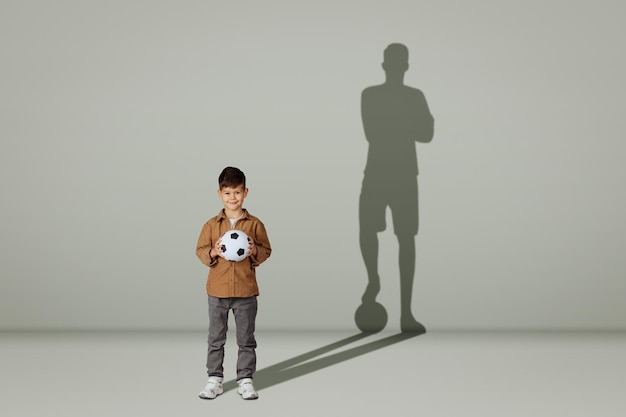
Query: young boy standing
x: 232, y: 285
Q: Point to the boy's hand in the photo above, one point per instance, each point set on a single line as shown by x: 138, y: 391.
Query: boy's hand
x: 217, y: 249
x: 252, y: 250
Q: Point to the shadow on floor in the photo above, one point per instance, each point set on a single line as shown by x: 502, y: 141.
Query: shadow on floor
x: 294, y: 367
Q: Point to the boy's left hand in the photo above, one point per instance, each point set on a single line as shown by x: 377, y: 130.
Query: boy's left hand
x: 252, y: 250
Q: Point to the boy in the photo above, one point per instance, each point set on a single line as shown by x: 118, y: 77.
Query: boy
x: 232, y: 285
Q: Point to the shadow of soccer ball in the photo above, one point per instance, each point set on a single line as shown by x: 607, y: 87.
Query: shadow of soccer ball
x: 370, y: 317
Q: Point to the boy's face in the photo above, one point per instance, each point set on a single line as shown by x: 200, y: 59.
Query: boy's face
x: 233, y: 197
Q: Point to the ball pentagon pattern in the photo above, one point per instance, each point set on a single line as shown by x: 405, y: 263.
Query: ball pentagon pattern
x: 235, y: 245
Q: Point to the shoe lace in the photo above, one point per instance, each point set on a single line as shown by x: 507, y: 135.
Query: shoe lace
x: 248, y: 387
x: 211, y: 385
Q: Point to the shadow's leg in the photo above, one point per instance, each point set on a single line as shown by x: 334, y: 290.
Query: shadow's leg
x: 368, y: 240
x: 407, y: 273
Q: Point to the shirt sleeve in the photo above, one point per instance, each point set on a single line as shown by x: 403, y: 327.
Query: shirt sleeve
x: 205, y: 243
x: 262, y: 243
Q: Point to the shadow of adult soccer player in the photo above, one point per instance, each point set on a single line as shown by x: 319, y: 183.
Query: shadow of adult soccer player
x: 395, y: 117
x: 306, y: 363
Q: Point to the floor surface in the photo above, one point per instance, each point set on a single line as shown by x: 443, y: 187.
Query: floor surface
x: 312, y: 374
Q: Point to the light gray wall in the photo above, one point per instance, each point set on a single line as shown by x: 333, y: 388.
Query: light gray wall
x: 117, y: 117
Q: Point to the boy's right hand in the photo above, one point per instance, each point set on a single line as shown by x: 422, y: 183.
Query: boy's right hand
x: 217, y: 249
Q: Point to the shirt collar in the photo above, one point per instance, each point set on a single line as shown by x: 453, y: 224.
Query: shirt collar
x: 222, y: 215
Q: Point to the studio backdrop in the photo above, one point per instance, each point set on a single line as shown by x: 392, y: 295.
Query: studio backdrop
x: 118, y: 116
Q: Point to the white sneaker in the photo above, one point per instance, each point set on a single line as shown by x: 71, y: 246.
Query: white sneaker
x: 213, y: 388
x: 246, y: 389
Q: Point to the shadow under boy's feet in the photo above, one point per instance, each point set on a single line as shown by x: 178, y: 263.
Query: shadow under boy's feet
x: 315, y: 360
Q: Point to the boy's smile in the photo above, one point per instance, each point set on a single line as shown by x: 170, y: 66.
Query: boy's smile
x: 232, y: 198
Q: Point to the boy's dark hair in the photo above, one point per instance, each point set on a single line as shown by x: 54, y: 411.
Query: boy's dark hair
x: 232, y: 177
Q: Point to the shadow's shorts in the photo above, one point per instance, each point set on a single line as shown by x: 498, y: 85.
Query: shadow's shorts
x: 399, y: 194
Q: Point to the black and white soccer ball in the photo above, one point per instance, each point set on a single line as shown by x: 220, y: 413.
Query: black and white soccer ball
x: 235, y: 245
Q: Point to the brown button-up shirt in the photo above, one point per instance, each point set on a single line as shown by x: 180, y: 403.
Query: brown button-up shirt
x: 228, y: 278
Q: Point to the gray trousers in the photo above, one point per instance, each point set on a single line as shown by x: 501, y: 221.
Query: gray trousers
x: 244, y: 310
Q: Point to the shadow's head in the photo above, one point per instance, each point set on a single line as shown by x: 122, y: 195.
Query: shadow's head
x: 396, y: 59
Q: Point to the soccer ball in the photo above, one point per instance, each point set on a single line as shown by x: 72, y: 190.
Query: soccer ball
x: 235, y: 245
x: 370, y: 317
